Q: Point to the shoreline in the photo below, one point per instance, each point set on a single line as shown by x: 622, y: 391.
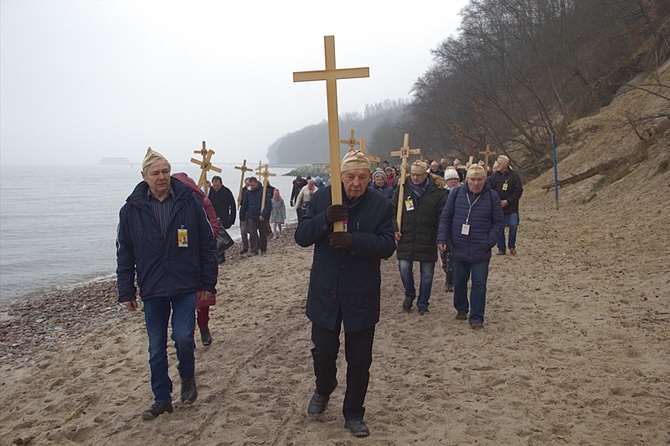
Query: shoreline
x: 47, y: 320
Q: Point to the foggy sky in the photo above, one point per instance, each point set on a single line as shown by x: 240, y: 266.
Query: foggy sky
x: 81, y: 80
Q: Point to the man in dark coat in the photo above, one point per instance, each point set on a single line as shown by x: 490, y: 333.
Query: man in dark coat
x: 345, y: 281
x: 422, y: 205
x: 508, y: 185
x: 165, y: 239
x: 224, y: 202
x: 471, y: 223
x: 257, y: 218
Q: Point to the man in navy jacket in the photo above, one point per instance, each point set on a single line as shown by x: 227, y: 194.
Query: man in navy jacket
x: 164, y: 237
x: 471, y: 223
x: 257, y: 218
x: 344, y: 286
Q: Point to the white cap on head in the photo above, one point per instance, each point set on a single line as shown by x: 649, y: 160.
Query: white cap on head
x: 151, y: 157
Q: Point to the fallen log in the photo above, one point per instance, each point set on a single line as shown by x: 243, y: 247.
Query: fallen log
x: 576, y: 178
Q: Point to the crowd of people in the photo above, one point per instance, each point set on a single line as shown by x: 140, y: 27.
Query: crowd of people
x: 452, y: 214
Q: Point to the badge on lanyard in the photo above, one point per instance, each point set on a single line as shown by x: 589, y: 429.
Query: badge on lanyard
x: 345, y: 223
x: 182, y: 237
x: 409, y: 203
x: 465, y: 229
x: 504, y: 186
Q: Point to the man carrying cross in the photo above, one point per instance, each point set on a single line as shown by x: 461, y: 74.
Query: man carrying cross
x: 256, y: 216
x: 345, y: 281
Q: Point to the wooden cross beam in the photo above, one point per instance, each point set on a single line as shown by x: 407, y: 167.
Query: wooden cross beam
x: 331, y: 74
x: 265, y: 174
x: 487, y: 153
x: 244, y: 170
x: 403, y: 153
x: 205, y: 165
x: 351, y: 142
x: 374, y: 159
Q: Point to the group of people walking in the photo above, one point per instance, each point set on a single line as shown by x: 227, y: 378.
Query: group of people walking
x: 166, y: 242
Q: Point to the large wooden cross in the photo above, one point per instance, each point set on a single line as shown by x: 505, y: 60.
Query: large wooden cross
x: 244, y: 170
x: 265, y: 174
x: 205, y: 165
x: 487, y: 153
x: 403, y: 153
x: 331, y: 74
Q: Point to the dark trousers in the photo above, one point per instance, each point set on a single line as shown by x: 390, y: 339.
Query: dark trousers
x: 358, y: 352
x: 258, y: 234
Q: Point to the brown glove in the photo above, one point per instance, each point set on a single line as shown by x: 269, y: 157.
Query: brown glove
x: 336, y: 212
x: 341, y: 240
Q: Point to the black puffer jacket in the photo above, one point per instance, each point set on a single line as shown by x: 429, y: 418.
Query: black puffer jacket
x: 419, y: 226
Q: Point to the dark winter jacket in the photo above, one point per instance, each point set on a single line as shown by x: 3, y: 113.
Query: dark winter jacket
x: 163, y: 268
x: 251, y: 204
x: 385, y: 190
x: 347, y: 280
x: 486, y: 223
x: 419, y: 226
x: 224, y: 205
x: 509, y: 187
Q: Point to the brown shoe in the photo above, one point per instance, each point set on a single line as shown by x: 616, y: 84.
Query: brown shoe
x: 512, y: 251
x: 462, y: 316
x: 476, y: 325
x: 500, y: 253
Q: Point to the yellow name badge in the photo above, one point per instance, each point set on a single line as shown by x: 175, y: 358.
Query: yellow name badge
x: 409, y: 204
x: 182, y: 237
x: 504, y: 186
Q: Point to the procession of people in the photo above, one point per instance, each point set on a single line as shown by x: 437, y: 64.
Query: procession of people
x: 439, y: 218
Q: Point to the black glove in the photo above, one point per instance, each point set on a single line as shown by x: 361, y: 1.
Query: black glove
x: 336, y: 212
x: 341, y: 240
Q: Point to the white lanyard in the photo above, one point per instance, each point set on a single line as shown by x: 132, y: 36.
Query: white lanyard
x: 467, y: 219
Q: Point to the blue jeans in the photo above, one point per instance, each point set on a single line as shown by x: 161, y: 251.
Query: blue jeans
x: 480, y: 273
x: 157, y: 315
x: 511, y: 221
x: 407, y: 277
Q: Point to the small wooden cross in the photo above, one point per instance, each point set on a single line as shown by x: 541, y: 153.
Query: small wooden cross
x: 265, y: 174
x: 244, y: 170
x: 205, y: 165
x: 403, y: 153
x: 351, y: 142
x: 374, y: 159
x: 487, y: 153
x: 331, y: 74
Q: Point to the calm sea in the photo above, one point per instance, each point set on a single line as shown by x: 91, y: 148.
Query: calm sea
x: 58, y: 224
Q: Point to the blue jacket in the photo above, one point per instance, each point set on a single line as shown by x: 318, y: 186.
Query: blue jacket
x: 251, y: 204
x: 347, y: 280
x: 163, y: 268
x: 486, y: 223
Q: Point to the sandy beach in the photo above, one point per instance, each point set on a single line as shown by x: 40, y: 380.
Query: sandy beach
x: 575, y: 351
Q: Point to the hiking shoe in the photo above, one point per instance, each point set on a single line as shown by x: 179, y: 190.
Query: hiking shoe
x: 407, y: 304
x: 244, y: 250
x: 501, y: 253
x: 357, y: 427
x: 462, y: 316
x: 206, y: 336
x: 317, y: 404
x: 423, y: 310
x: 156, y: 409
x: 512, y: 251
x: 476, y: 325
x: 189, y: 392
